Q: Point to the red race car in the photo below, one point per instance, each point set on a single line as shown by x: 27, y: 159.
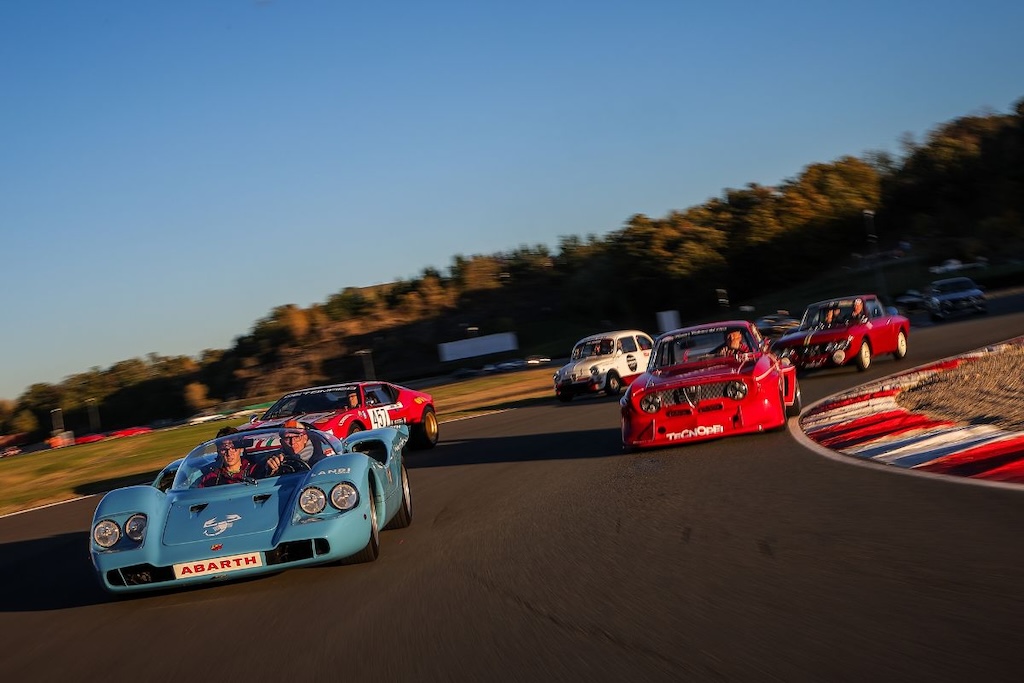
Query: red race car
x: 343, y: 409
x: 706, y: 382
x: 838, y: 332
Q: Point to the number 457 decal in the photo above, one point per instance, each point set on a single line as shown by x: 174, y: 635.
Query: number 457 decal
x: 379, y: 417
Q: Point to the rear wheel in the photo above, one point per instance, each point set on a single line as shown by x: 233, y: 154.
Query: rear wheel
x: 425, y: 434
x: 901, y: 346
x: 864, y: 356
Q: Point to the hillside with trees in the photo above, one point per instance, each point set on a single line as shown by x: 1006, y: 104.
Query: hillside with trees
x: 958, y: 193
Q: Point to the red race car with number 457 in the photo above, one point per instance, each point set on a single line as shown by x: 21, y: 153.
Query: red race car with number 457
x: 343, y: 409
x: 706, y: 382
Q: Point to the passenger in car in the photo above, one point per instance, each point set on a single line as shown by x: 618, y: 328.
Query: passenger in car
x: 231, y: 468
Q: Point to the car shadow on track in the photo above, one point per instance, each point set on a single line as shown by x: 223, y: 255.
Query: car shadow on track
x: 43, y: 574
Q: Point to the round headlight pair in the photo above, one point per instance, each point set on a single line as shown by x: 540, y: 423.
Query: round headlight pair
x: 107, y: 533
x: 313, y: 500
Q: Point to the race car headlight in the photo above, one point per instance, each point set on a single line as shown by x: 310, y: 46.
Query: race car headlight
x: 736, y: 390
x: 344, y: 496
x: 312, y: 500
x: 651, y: 403
x: 106, y: 533
x: 135, y: 527
x: 840, y: 345
x: 594, y: 370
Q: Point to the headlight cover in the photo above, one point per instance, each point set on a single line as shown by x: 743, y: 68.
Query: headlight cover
x: 312, y: 500
x: 106, y: 533
x: 135, y: 527
x: 344, y: 496
x: 651, y: 403
x: 840, y: 345
x: 736, y: 390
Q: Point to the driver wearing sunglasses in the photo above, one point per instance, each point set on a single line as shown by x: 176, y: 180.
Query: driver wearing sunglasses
x: 295, y: 443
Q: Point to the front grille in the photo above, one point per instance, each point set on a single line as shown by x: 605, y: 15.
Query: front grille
x: 139, y: 575
x: 292, y: 551
x: 693, y: 395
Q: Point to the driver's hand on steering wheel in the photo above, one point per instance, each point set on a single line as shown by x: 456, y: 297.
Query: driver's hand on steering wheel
x: 273, y: 463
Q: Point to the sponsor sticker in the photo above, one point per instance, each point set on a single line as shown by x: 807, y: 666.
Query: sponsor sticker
x: 217, y: 565
x: 710, y: 430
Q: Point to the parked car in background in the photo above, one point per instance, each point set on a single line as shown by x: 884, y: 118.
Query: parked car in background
x: 954, y: 296
x: 831, y: 334
x: 343, y: 409
x: 604, y: 362
x: 697, y: 387
x: 910, y: 301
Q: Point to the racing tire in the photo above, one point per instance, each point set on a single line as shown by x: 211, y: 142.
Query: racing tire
x: 403, y: 517
x: 356, y: 427
x: 372, y: 549
x: 425, y: 433
x: 863, y: 359
x: 901, y: 346
x: 612, y: 384
x: 794, y: 410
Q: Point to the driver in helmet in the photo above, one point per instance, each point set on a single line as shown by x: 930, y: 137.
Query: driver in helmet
x: 295, y: 444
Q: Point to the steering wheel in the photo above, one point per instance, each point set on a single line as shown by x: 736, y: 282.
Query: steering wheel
x: 289, y: 465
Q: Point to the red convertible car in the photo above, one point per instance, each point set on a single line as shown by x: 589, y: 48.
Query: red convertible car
x: 838, y: 332
x: 706, y: 382
x: 343, y: 409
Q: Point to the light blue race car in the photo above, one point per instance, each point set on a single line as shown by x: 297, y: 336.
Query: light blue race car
x: 262, y: 509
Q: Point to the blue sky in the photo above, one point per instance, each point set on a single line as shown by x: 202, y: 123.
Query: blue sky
x: 172, y: 171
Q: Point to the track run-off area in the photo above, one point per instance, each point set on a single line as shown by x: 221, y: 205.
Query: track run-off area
x: 539, y: 551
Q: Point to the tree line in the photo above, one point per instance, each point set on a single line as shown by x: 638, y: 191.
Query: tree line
x: 959, y: 191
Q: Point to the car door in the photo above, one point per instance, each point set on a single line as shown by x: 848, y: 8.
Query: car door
x: 382, y: 405
x: 881, y: 330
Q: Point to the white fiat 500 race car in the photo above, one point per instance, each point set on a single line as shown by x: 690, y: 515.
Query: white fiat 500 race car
x: 604, y: 362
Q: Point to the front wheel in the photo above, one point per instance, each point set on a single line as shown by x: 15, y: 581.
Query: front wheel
x: 864, y: 356
x: 371, y: 550
x: 901, y: 346
x: 403, y: 517
x: 613, y: 385
x: 794, y: 410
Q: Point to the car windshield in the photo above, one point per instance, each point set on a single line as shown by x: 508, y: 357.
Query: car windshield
x: 252, y: 447
x: 827, y: 313
x: 314, y: 401
x: 953, y: 286
x: 685, y: 346
x: 592, y: 348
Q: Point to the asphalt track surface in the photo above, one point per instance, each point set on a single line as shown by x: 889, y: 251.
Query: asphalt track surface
x: 540, y: 552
